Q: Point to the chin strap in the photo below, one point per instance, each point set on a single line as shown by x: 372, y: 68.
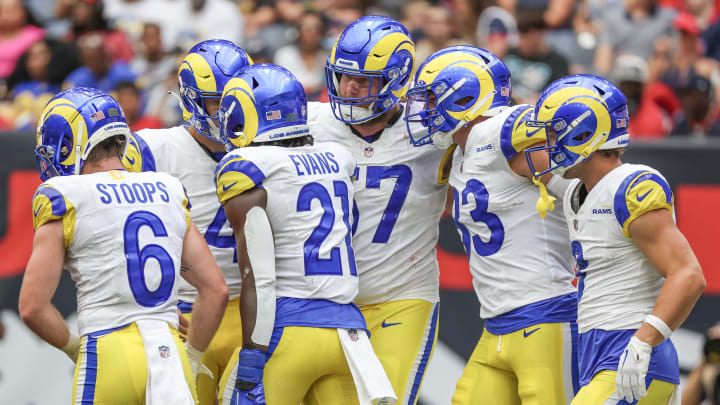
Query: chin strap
x: 546, y: 202
x: 78, y: 147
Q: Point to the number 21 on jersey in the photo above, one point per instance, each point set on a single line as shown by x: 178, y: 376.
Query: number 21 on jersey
x: 314, y: 264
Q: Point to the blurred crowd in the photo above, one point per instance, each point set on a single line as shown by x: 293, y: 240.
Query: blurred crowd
x: 664, y: 54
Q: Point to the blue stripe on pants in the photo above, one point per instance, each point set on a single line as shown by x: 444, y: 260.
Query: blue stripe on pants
x: 90, y: 372
x: 425, y: 358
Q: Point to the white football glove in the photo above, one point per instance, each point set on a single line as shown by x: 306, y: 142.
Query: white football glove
x: 631, y: 371
x: 196, y: 364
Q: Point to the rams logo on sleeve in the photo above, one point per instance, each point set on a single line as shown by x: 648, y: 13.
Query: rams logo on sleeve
x: 516, y: 136
x: 641, y: 192
x: 235, y: 175
x: 50, y: 205
x: 138, y: 157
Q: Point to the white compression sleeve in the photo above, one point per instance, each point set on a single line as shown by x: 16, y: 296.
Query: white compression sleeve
x: 261, y: 251
x: 558, y: 185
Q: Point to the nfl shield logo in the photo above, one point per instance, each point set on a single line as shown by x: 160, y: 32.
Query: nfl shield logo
x: 164, y: 352
x: 353, y: 335
x: 368, y: 151
x: 575, y: 224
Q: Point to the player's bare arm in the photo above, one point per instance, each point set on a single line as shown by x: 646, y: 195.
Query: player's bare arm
x: 40, y: 281
x: 656, y: 235
x: 200, y: 270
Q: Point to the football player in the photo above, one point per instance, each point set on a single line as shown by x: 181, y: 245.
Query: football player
x: 399, y: 190
x: 638, y: 276
x: 289, y: 202
x: 521, y: 264
x: 124, y: 238
x: 190, y: 152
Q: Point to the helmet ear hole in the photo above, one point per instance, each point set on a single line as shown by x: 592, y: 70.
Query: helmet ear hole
x: 582, y: 137
x: 464, y: 101
x: 238, y: 128
x: 65, y: 147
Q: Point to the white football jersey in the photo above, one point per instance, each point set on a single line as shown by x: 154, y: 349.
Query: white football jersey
x: 176, y: 152
x: 617, y: 285
x: 124, y: 235
x: 516, y: 257
x: 400, y: 194
x: 309, y: 203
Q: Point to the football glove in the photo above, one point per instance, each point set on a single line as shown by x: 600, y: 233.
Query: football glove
x: 632, y: 368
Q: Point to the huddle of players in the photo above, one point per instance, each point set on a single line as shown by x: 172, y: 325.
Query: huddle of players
x: 327, y: 321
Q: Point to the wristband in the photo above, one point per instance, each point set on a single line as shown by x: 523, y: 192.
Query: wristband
x: 251, y: 363
x: 193, y: 353
x: 72, y: 346
x: 660, y: 325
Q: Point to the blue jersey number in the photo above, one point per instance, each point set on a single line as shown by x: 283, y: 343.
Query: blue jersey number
x: 332, y: 266
x: 403, y: 177
x: 479, y: 214
x: 580, y: 265
x: 137, y: 258
x: 213, y: 237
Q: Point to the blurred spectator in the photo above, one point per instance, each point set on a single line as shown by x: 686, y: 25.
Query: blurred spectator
x: 414, y: 18
x: 707, y: 15
x: 647, y: 118
x: 130, y: 16
x: 43, y: 67
x: 497, y: 31
x: 128, y: 96
x: 467, y: 13
x: 698, y: 117
x: 272, y: 20
x: 631, y: 29
x: 38, y: 77
x: 340, y: 15
x: 557, y: 16
x: 390, y: 8
x: 681, y: 58
x: 439, y: 33
x: 259, y: 50
x: 160, y: 102
x: 86, y: 18
x: 210, y: 19
x: 306, y: 58
x: 152, y: 63
x: 533, y: 63
x: 703, y: 384
x: 268, y: 12
x: 18, y: 31
x: 98, y: 69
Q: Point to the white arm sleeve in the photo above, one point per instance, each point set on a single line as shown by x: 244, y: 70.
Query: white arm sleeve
x: 558, y: 185
x: 261, y: 251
